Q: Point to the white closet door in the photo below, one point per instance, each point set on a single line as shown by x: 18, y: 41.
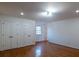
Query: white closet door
x: 14, y: 34
x: 1, y: 37
x: 25, y: 33
x: 6, y: 35
x: 19, y: 32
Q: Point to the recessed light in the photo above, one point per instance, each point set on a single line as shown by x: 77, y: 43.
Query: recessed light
x: 77, y: 11
x: 22, y: 13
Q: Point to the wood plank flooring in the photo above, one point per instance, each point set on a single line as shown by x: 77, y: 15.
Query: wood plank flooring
x: 41, y: 49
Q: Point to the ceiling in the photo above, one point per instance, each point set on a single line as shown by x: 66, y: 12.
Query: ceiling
x: 32, y: 10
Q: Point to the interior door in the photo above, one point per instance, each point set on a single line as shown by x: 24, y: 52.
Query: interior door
x: 38, y: 33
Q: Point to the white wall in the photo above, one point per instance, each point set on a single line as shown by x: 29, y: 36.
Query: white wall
x: 64, y: 32
x: 43, y: 36
x: 21, y: 30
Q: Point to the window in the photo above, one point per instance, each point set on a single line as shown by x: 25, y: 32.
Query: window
x: 38, y: 29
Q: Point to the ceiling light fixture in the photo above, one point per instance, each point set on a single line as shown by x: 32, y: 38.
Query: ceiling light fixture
x: 77, y: 11
x: 46, y: 13
x: 51, y: 10
x: 21, y: 13
x: 49, y: 13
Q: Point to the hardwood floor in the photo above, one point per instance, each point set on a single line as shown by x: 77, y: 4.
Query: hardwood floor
x: 43, y: 49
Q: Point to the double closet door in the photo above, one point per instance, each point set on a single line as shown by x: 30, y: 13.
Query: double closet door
x: 7, y: 40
